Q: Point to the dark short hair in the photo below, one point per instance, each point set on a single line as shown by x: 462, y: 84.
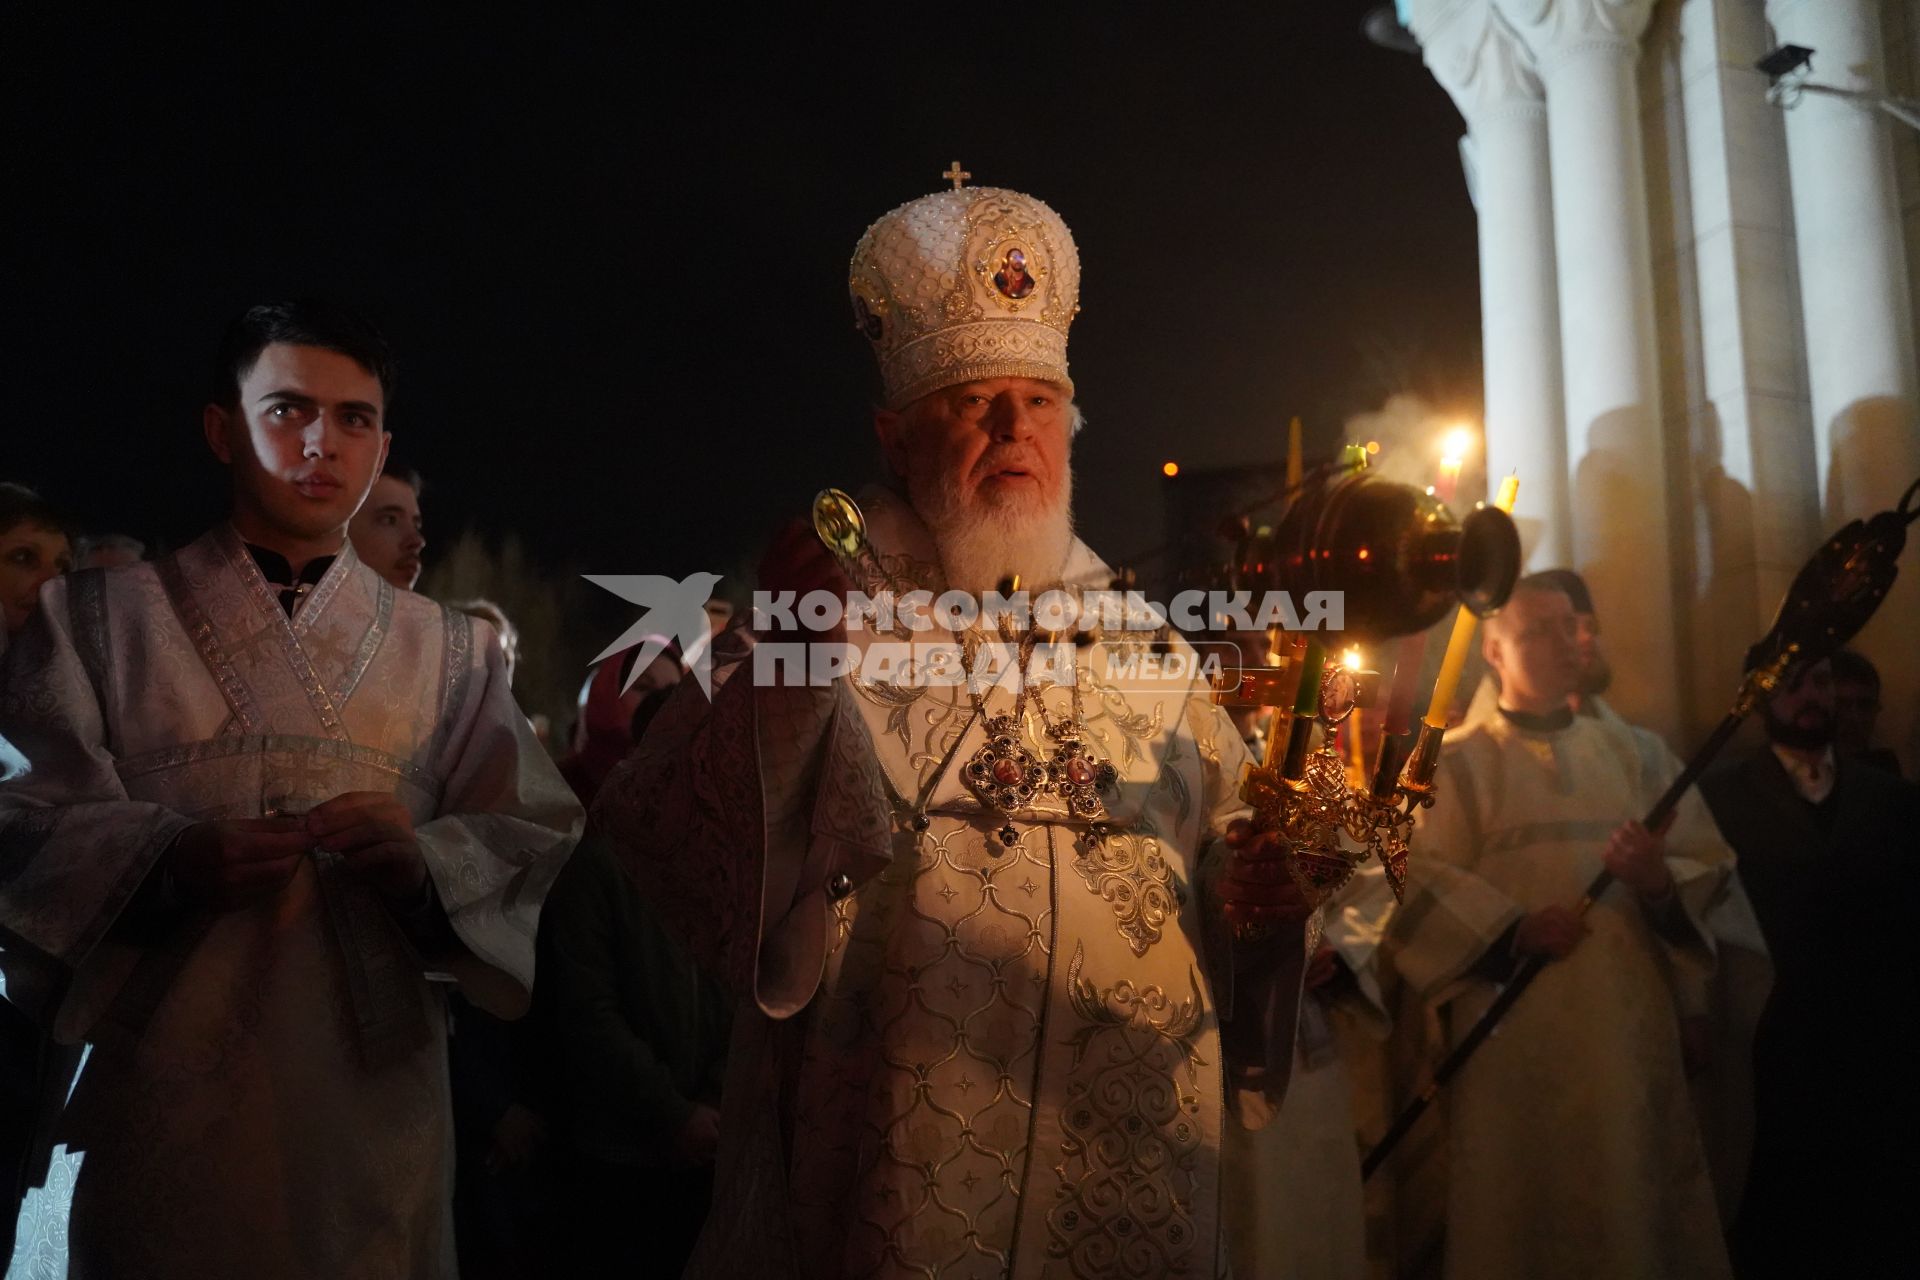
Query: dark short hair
x: 404, y: 474
x: 306, y: 322
x: 1563, y: 580
x: 1852, y: 667
x: 20, y: 505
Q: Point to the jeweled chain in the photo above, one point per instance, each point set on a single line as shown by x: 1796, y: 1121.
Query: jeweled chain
x: 1073, y: 772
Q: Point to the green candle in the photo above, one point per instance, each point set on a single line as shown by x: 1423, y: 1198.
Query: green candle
x: 1306, y: 704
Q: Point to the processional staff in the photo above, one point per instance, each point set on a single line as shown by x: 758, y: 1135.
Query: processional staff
x: 1831, y: 598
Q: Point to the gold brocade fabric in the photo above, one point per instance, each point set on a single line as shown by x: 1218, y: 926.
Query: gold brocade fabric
x: 981, y: 1059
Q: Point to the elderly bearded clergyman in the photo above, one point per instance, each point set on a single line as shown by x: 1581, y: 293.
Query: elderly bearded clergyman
x: 981, y: 1025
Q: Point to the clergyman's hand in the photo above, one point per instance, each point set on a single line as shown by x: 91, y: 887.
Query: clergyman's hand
x: 373, y: 834
x: 1257, y: 889
x: 1552, y: 932
x: 1637, y: 858
x: 799, y: 562
x: 236, y: 862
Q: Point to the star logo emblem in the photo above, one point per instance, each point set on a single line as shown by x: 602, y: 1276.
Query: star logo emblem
x: 676, y: 612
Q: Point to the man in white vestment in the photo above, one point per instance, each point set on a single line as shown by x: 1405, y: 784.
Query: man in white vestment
x: 1719, y: 1012
x: 1573, y: 1145
x: 980, y: 1032
x: 270, y: 800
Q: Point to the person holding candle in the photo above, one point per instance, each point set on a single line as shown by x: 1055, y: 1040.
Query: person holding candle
x: 1573, y: 1145
x: 1720, y: 1014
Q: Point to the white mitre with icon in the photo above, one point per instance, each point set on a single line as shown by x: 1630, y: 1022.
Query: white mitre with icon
x: 966, y: 284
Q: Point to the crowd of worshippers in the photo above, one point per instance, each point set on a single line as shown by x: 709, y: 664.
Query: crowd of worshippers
x: 228, y: 763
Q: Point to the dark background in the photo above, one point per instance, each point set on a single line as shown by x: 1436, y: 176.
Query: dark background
x: 611, y: 253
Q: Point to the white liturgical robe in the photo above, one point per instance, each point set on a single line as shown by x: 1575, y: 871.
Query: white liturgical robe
x: 1573, y: 1146
x: 954, y: 1056
x: 265, y: 1092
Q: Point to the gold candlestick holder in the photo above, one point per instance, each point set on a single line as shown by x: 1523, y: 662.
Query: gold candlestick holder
x: 1328, y: 826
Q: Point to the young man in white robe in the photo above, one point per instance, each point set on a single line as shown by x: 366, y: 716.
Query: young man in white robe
x: 1573, y: 1148
x: 1719, y: 1012
x: 270, y: 799
x: 973, y: 1040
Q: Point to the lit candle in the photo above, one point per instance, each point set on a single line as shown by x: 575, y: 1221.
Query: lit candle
x: 1462, y: 638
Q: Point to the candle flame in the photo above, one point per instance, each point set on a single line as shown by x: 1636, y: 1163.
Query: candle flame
x: 1455, y: 447
x: 1352, y: 659
x: 1169, y: 469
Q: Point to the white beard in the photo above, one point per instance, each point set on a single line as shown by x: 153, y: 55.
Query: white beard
x: 980, y: 546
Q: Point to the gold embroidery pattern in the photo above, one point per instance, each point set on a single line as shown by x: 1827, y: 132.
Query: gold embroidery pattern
x: 1137, y: 729
x: 1128, y: 870
x: 925, y: 1046
x: 898, y: 699
x: 840, y: 927
x: 1129, y: 1163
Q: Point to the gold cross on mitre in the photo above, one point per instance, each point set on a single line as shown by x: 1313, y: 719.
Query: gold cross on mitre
x: 956, y: 175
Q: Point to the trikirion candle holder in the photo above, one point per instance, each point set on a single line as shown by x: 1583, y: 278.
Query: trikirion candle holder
x: 1329, y: 827
x: 1401, y: 560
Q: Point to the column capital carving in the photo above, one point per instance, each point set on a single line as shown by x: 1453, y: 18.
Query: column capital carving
x: 1557, y: 29
x: 1478, y: 59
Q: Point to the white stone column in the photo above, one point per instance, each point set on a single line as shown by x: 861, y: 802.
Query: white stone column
x: 1853, y: 268
x: 1482, y: 64
x: 1854, y: 298
x: 1586, y: 51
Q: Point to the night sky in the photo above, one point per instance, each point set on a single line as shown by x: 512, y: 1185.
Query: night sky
x: 611, y: 254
